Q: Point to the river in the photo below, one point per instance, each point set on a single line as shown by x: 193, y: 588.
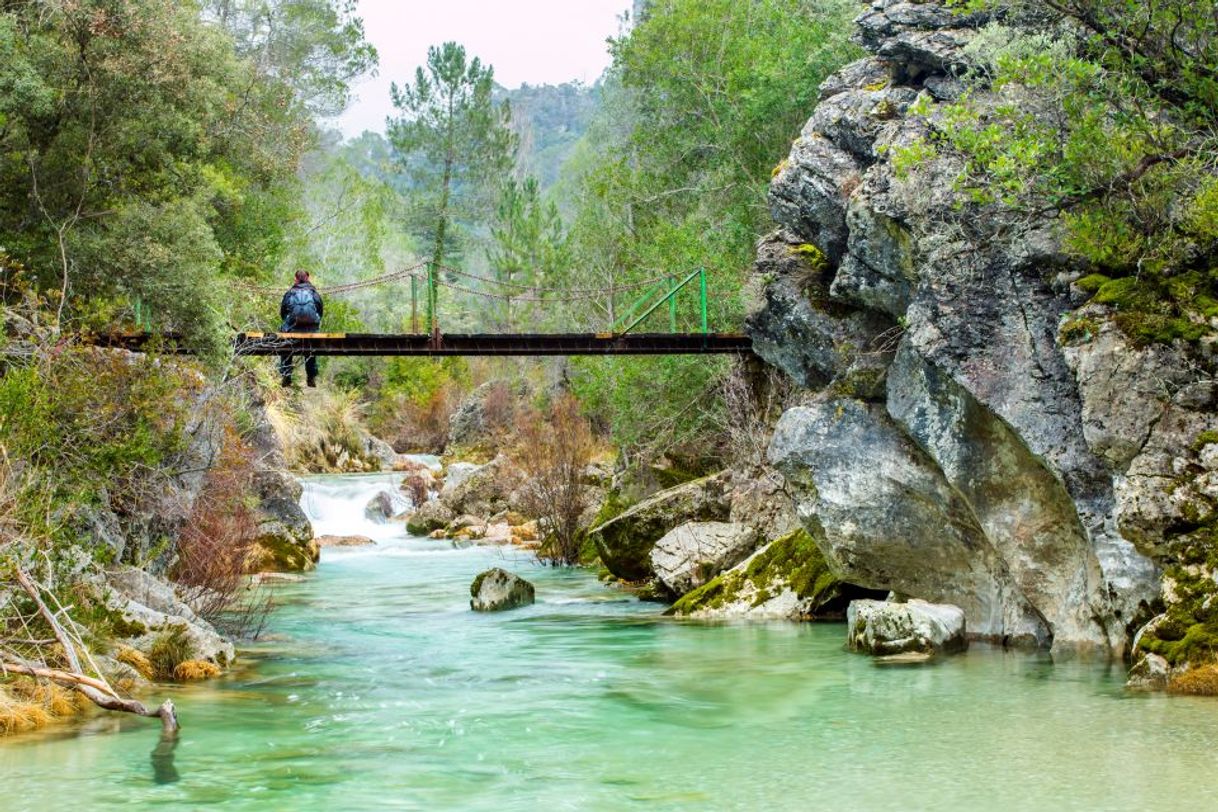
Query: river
x: 377, y: 688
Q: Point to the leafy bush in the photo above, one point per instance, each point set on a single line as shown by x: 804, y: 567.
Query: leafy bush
x: 98, y: 425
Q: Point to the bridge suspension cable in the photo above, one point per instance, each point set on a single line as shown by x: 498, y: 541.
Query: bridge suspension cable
x: 664, y: 286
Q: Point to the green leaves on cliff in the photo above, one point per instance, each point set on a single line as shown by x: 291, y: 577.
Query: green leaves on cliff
x: 1102, y: 112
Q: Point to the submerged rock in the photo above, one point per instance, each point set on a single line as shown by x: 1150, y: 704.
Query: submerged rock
x: 886, y: 628
x: 344, y: 541
x: 380, y: 508
x: 690, y: 555
x: 1150, y: 673
x: 625, y: 541
x: 497, y: 590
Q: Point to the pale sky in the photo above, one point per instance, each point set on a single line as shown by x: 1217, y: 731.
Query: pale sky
x: 533, y: 41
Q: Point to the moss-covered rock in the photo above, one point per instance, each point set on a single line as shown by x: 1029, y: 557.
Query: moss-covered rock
x: 279, y: 552
x: 786, y: 578
x: 431, y: 516
x: 284, y: 540
x: 1186, y: 633
x: 624, y: 542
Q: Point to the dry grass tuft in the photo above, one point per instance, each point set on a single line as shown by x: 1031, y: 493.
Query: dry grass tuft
x: 194, y: 670
x: 321, y: 431
x: 137, y: 660
x: 171, y: 648
x: 1201, y: 681
x: 26, y: 705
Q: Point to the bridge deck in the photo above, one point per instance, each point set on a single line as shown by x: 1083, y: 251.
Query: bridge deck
x: 522, y: 344
x: 519, y: 344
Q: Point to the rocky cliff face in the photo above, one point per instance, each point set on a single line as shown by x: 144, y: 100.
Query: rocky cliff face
x: 961, y: 446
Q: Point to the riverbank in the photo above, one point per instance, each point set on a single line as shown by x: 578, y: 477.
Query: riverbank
x: 377, y: 687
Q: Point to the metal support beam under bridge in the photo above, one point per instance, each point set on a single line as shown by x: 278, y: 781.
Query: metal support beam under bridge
x: 520, y: 344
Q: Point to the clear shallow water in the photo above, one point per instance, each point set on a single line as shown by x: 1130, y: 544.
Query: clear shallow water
x: 381, y: 690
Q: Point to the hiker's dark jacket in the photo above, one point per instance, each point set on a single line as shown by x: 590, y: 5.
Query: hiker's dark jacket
x: 301, y: 308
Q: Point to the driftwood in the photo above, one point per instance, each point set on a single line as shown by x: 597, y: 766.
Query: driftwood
x: 96, y: 690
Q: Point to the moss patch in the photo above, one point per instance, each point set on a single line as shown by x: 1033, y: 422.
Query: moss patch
x: 476, y: 586
x: 815, y: 257
x: 1078, y: 331
x: 1205, y: 438
x: 1092, y: 282
x: 1156, y: 310
x: 1188, y: 632
x: 790, y: 562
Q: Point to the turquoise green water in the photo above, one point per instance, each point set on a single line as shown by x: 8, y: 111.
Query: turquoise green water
x: 381, y: 690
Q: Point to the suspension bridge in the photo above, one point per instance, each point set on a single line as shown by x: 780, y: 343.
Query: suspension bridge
x: 654, y: 297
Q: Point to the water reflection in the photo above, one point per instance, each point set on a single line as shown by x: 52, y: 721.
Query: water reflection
x: 163, y: 769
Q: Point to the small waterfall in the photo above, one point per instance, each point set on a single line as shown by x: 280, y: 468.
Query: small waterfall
x: 335, y: 504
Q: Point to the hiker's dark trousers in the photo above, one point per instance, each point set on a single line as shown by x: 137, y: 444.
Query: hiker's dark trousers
x: 287, y: 360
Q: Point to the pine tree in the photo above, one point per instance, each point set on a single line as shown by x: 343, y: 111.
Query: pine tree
x: 454, y: 144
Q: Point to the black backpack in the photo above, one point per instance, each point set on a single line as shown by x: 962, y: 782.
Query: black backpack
x: 302, y: 308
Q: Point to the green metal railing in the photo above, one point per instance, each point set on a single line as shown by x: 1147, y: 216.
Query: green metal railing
x: 669, y: 288
x: 143, y: 315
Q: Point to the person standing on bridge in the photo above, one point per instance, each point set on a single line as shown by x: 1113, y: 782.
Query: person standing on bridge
x: 301, y: 311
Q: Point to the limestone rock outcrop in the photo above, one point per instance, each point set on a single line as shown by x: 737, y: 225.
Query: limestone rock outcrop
x: 150, y: 607
x: 284, y: 538
x: 498, y: 590
x: 786, y: 579
x: 965, y: 440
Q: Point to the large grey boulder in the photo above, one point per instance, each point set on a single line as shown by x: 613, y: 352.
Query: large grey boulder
x: 1023, y: 511
x: 484, y: 491
x: 458, y: 472
x: 377, y: 450
x: 624, y: 542
x: 889, y: 520
x: 690, y: 555
x: 787, y: 578
x: 482, y: 413
x: 886, y: 628
x: 498, y: 590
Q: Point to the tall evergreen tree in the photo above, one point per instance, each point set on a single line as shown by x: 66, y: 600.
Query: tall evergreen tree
x: 528, y: 247
x: 454, y: 143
